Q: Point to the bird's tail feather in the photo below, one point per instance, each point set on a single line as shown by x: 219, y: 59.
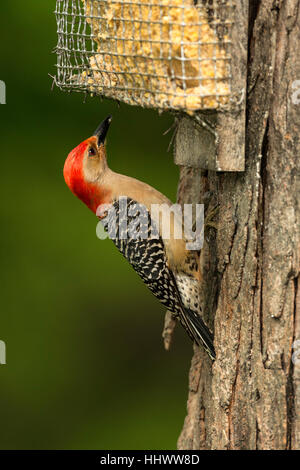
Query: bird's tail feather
x: 199, y: 331
x: 195, y: 326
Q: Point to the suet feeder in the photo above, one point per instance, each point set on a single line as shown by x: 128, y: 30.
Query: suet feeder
x: 184, y: 56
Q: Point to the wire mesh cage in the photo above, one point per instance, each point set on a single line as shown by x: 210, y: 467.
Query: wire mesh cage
x: 163, y: 54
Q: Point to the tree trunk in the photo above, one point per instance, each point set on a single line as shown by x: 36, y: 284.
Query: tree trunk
x: 249, y: 398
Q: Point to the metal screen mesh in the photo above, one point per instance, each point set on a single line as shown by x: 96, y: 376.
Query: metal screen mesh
x: 165, y: 54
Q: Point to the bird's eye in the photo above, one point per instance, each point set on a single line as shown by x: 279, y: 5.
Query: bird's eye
x: 92, y: 152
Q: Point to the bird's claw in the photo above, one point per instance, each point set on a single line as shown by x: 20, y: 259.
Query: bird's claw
x: 209, y: 222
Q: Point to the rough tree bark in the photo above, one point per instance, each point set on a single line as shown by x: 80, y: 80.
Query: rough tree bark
x: 249, y: 398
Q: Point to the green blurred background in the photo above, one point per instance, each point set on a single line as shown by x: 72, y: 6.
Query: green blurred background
x: 85, y: 366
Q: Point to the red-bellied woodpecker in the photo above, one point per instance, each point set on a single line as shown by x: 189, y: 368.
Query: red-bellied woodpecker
x: 167, y: 267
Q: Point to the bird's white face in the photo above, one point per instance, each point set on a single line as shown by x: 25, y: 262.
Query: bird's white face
x: 94, y: 161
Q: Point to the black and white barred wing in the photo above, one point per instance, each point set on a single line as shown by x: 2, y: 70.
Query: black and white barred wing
x: 141, y: 245
x: 136, y: 237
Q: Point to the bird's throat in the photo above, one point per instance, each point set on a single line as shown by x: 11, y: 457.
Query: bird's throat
x: 90, y: 194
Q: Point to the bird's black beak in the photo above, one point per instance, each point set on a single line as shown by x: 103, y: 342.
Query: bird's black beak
x: 102, y: 130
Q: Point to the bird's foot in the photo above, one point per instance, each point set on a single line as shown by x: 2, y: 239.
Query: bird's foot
x: 208, y: 221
